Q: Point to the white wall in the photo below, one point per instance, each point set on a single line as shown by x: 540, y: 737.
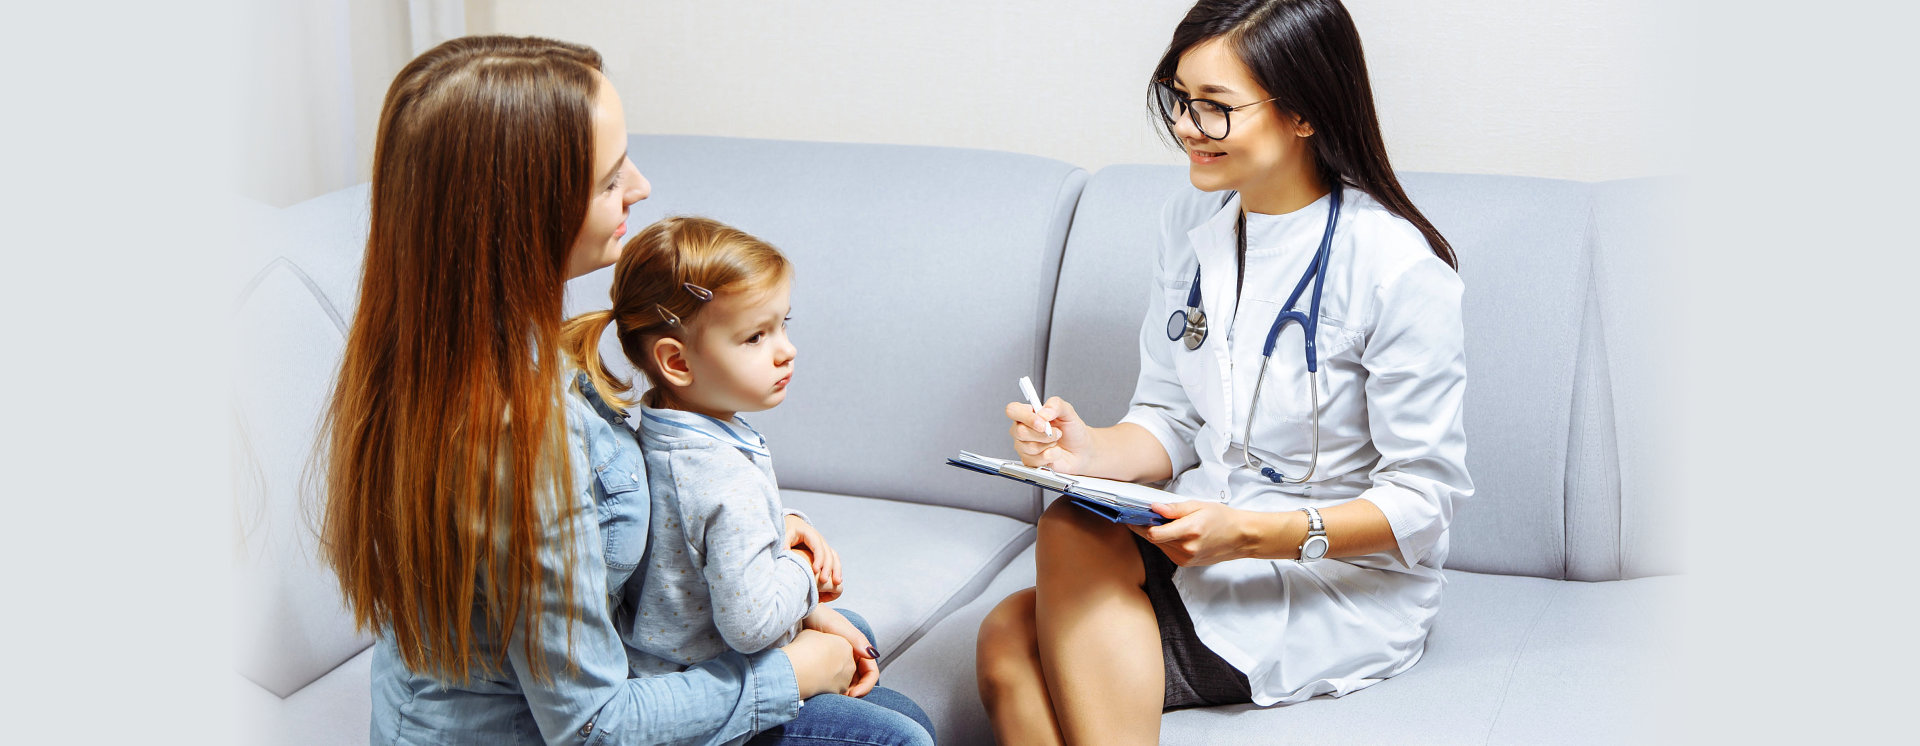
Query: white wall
x: 1561, y: 89
x: 1566, y: 89
x: 315, y: 74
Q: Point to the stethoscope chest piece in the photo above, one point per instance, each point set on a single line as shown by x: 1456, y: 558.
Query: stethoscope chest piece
x: 1189, y: 325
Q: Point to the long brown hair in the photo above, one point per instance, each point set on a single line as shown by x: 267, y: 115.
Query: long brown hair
x: 651, y: 297
x: 446, y: 434
x: 1306, y: 54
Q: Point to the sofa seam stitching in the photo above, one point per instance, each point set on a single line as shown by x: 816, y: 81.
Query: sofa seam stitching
x: 320, y: 296
x: 1526, y: 639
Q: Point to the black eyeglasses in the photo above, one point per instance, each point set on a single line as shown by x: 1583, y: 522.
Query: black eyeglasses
x: 1208, y: 116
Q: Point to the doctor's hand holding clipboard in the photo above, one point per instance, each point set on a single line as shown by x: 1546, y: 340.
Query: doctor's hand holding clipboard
x: 1195, y: 531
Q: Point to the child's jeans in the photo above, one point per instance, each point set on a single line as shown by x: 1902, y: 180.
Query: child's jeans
x: 883, y: 718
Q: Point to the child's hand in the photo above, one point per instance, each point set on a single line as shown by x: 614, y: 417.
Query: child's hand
x: 1065, y: 451
x: 809, y: 543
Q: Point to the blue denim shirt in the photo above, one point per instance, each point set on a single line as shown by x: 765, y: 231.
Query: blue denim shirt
x: 724, y: 700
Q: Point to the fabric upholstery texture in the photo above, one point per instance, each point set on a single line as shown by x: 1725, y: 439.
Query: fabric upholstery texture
x: 928, y: 281
x: 1635, y: 233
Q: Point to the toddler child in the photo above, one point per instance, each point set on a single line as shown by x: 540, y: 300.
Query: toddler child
x: 700, y: 309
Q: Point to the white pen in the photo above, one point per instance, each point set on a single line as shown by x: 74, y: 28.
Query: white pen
x: 1033, y: 398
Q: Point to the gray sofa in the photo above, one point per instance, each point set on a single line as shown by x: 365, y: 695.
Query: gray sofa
x: 931, y: 279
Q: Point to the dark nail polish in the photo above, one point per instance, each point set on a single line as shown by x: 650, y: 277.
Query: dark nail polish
x: 871, y: 653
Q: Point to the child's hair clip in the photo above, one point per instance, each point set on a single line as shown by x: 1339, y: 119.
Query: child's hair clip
x: 698, y: 292
x: 666, y: 315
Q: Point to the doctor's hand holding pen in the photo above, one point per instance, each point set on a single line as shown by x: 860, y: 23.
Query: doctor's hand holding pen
x: 1051, y: 435
x: 1054, y: 436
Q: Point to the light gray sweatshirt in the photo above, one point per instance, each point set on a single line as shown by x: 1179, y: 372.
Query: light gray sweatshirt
x: 717, y: 573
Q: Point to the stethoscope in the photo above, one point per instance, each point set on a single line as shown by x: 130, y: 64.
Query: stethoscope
x: 1189, y: 327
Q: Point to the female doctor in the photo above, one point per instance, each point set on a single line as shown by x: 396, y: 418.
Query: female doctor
x: 1318, y: 480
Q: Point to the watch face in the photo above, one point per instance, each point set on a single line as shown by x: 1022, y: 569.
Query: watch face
x: 1315, y: 548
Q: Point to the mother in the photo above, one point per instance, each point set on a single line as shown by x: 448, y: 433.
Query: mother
x: 483, y: 507
x: 1318, y: 486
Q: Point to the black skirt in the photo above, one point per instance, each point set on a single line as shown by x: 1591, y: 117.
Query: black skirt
x: 1196, y: 676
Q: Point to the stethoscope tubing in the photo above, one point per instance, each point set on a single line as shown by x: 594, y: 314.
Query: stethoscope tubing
x: 1192, y: 321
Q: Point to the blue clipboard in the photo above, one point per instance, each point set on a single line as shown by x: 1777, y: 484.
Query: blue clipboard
x: 1097, y: 502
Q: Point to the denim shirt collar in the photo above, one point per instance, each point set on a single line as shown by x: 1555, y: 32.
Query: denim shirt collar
x: 600, y: 406
x: 674, y: 424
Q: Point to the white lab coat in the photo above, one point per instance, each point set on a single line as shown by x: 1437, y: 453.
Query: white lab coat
x: 1392, y: 375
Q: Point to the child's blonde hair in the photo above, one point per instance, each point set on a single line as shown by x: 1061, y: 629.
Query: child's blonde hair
x: 664, y: 279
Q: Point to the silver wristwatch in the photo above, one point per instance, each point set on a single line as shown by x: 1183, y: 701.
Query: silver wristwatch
x: 1315, y: 547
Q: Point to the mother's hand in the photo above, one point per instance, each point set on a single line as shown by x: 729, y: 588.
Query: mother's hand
x: 822, y: 663
x: 865, y: 658
x: 1201, y: 533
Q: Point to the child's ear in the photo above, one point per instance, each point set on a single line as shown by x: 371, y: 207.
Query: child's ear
x: 669, y: 357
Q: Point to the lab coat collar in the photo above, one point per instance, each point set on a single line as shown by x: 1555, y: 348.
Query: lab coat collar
x: 1213, y: 240
x: 674, y: 424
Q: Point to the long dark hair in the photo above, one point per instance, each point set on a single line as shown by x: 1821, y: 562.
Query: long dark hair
x: 1306, y: 54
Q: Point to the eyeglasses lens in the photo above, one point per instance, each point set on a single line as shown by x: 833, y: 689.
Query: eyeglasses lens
x: 1210, y: 118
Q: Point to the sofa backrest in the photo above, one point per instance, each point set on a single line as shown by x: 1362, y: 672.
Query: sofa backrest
x: 923, y: 283
x: 290, y: 624
x: 1538, y: 356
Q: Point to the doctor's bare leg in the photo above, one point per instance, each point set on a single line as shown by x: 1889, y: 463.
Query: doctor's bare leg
x: 1007, y: 664
x: 1098, y: 639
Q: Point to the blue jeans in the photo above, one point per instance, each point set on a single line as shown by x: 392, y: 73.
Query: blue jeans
x: 882, y: 718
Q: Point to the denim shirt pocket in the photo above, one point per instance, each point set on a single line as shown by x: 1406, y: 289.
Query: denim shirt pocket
x: 619, y: 485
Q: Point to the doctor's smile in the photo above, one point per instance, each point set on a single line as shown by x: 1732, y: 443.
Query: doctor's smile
x: 1202, y: 157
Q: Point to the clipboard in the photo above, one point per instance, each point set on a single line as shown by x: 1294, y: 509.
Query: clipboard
x: 1120, y: 502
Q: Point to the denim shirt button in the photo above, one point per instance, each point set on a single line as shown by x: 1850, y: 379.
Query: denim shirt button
x: 586, y: 730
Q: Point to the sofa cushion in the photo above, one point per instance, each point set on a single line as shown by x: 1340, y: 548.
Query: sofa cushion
x: 334, y: 710
x: 923, y: 280
x: 1523, y: 246
x: 938, y: 671
x: 1511, y: 660
x: 906, y: 565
